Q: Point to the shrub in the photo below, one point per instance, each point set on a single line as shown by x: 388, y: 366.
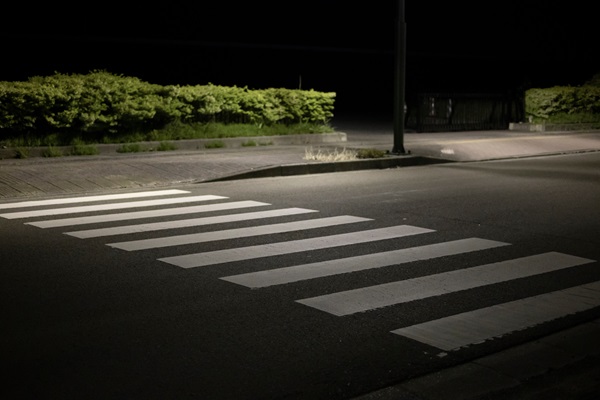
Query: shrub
x: 370, y: 153
x: 52, y: 151
x: 21, y: 152
x: 101, y: 104
x: 564, y: 103
x: 166, y: 146
x: 217, y: 144
x: 130, y: 148
x: 84, y: 150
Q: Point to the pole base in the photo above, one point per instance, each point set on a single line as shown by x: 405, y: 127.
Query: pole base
x: 400, y: 151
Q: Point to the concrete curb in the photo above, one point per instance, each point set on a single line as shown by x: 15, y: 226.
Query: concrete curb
x: 329, y: 167
x: 567, y: 127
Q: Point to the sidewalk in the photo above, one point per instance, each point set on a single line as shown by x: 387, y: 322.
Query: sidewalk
x: 565, y: 365
x: 191, y: 163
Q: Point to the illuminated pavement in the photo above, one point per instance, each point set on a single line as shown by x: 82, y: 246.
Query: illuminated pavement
x: 562, y: 365
x: 40, y: 176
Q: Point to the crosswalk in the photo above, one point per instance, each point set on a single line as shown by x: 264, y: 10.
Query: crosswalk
x: 160, y: 213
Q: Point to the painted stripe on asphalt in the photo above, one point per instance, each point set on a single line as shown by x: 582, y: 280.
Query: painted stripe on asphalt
x: 92, y: 219
x: 70, y: 200
x: 352, y: 264
x: 220, y: 219
x: 453, y: 332
x: 236, y: 233
x: 111, y: 206
x: 295, y: 246
x: 372, y: 297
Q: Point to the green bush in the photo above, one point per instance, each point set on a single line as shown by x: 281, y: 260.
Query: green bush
x: 22, y: 152
x: 166, y: 146
x: 52, y: 151
x: 216, y: 144
x: 370, y: 153
x: 103, y: 106
x: 81, y: 149
x: 130, y: 148
x: 565, y: 104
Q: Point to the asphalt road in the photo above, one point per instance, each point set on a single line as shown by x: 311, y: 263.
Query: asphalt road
x: 118, y: 307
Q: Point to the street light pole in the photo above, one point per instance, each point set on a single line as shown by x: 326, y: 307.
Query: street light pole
x: 399, y: 81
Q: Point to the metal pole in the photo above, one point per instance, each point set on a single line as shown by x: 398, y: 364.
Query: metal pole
x: 399, y: 81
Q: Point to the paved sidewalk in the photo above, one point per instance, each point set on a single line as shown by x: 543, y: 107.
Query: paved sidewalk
x: 565, y: 365
x: 39, y: 176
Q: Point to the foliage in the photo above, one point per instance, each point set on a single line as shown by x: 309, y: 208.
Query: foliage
x: 22, y: 152
x: 216, y: 144
x: 101, y: 105
x: 565, y: 104
x: 52, y: 151
x: 370, y: 153
x: 81, y: 149
x: 130, y: 148
x: 166, y: 146
x: 328, y: 155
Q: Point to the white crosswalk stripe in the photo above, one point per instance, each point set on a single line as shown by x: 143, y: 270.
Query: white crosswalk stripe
x: 372, y: 297
x: 235, y: 233
x: 111, y: 206
x: 453, y: 332
x: 92, y: 219
x: 294, y: 246
x: 447, y: 333
x: 186, y: 223
x: 360, y: 263
x: 71, y: 200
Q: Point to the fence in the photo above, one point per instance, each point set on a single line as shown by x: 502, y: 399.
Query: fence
x: 440, y: 112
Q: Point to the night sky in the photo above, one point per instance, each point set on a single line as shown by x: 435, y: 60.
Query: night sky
x: 328, y: 45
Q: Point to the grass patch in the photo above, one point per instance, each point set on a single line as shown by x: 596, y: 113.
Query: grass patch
x: 171, y: 132
x: 216, y: 144
x: 130, y: 148
x: 370, y: 153
x: 217, y: 130
x: 22, y: 152
x: 80, y: 148
x: 87, y: 144
x: 343, y: 155
x: 329, y: 155
x: 52, y: 151
x: 166, y: 146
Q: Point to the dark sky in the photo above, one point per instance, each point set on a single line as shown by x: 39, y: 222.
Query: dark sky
x: 327, y: 45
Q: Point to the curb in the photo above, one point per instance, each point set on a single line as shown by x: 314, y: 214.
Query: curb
x: 329, y: 167
x: 551, y: 127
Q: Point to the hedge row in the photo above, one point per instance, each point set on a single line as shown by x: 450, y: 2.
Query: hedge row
x: 104, y: 102
x: 576, y: 104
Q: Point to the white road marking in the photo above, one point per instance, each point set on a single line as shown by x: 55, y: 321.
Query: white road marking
x: 220, y: 219
x: 236, y: 233
x: 111, y: 206
x: 453, y: 332
x: 55, y: 223
x: 71, y: 200
x: 372, y: 297
x: 351, y: 264
x: 295, y: 246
